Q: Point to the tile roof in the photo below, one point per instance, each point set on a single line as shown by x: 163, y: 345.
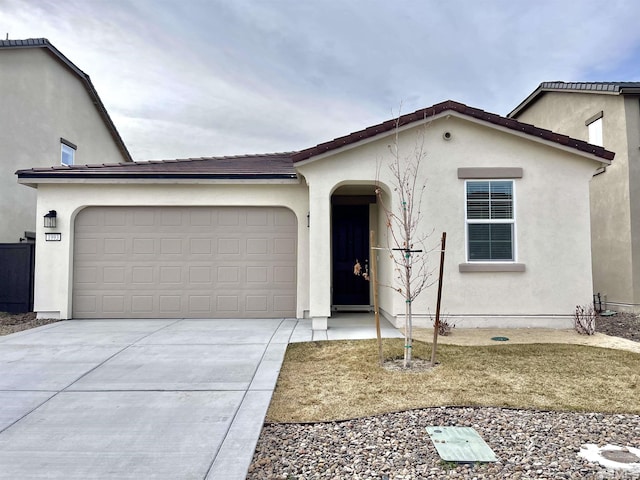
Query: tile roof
x: 264, y: 166
x: 93, y: 94
x: 29, y: 42
x: 617, y: 87
x: 459, y: 108
x: 282, y: 165
x: 611, y: 88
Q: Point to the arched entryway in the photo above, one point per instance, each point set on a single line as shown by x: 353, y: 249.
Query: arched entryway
x: 354, y: 214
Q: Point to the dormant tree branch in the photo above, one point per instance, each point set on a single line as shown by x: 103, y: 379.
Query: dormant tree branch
x: 406, y: 237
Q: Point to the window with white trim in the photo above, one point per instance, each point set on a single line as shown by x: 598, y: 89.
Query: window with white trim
x: 67, y: 152
x: 595, y: 132
x: 490, y: 220
x: 594, y: 127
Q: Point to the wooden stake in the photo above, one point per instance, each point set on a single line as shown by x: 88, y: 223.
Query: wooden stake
x: 374, y: 282
x: 436, y: 326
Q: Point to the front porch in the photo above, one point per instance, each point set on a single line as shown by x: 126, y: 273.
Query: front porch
x: 344, y: 326
x: 341, y: 219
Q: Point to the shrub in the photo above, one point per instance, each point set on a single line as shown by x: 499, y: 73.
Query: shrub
x: 445, y: 325
x: 584, y: 319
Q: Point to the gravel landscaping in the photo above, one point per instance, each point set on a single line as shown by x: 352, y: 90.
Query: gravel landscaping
x: 529, y: 444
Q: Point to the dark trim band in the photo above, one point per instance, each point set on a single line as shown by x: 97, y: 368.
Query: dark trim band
x: 68, y: 143
x: 590, y: 120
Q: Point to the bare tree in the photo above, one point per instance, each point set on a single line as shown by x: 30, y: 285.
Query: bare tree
x: 406, y: 237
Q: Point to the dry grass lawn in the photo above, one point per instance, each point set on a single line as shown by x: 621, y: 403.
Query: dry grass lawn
x: 323, y: 381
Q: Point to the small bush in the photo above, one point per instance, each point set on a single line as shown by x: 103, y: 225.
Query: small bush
x: 584, y: 319
x: 445, y: 326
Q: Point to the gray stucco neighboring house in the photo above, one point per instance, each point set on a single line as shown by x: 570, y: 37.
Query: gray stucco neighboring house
x: 606, y: 114
x: 51, y: 115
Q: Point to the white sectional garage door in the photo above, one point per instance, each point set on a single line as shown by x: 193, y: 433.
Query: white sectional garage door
x: 185, y: 262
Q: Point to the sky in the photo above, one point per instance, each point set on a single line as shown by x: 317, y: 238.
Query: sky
x: 193, y: 78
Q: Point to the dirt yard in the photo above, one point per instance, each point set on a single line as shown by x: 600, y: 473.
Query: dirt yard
x: 16, y: 322
x: 624, y: 325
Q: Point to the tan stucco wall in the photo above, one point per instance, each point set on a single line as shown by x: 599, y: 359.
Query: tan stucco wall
x: 632, y: 118
x: 54, y: 260
x: 552, y: 211
x: 615, y: 194
x: 42, y: 101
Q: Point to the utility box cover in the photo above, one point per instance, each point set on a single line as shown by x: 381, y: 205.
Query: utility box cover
x: 460, y: 444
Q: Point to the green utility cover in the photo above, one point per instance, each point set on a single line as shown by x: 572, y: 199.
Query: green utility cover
x: 460, y: 444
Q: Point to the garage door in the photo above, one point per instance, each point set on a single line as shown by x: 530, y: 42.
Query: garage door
x: 184, y: 262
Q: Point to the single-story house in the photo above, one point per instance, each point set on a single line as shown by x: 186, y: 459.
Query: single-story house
x: 277, y: 235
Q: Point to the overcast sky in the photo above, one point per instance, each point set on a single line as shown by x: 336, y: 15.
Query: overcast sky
x: 190, y: 78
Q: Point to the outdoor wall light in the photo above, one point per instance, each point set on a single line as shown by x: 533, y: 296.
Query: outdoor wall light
x: 50, y: 219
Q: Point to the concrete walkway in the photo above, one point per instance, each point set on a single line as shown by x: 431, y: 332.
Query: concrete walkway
x: 344, y: 326
x: 141, y: 399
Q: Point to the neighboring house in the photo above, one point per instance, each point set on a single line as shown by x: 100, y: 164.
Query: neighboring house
x: 606, y: 114
x: 277, y: 235
x: 51, y: 114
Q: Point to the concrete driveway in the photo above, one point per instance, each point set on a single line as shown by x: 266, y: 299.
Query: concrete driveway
x: 137, y: 399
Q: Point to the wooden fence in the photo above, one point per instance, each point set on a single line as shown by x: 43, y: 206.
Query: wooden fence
x: 17, y: 265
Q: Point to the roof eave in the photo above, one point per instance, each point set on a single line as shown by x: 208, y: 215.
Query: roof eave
x: 107, y: 118
x: 522, y: 106
x: 574, y: 146
x: 630, y: 91
x: 538, y: 92
x: 383, y: 133
x: 22, y: 174
x: 487, y: 119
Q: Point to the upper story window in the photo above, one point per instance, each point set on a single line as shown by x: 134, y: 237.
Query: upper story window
x: 67, y: 152
x: 490, y: 220
x: 594, y: 125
